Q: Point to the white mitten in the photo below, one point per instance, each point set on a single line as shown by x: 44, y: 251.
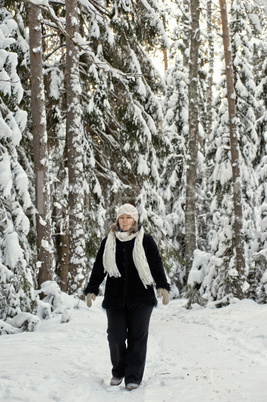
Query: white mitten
x: 89, y: 298
x: 164, y: 294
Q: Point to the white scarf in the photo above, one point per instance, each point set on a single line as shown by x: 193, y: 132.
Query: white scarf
x: 139, y: 256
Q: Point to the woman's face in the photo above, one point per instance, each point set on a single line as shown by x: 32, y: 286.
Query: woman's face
x: 126, y: 222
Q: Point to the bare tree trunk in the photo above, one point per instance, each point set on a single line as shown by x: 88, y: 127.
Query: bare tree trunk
x: 190, y: 209
x: 74, y: 153
x: 165, y: 59
x: 165, y: 50
x: 41, y: 166
x: 237, y: 198
x: 61, y: 223
x: 63, y: 254
x: 211, y: 70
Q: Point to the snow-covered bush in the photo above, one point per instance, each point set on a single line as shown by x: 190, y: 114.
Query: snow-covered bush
x: 55, y: 301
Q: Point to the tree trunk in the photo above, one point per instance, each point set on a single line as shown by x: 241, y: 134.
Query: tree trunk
x: 190, y: 209
x: 63, y: 257
x: 237, y: 198
x: 61, y: 224
x: 42, y: 185
x: 211, y: 70
x: 74, y: 153
x: 186, y: 32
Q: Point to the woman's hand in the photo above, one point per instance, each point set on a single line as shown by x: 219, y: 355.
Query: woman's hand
x: 89, y: 298
x: 165, y: 295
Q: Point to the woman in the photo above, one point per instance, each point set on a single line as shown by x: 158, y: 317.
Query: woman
x: 132, y: 262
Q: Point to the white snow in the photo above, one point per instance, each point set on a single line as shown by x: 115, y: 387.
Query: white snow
x: 142, y: 166
x: 40, y: 2
x: 13, y: 252
x: 197, y: 355
x: 5, y: 173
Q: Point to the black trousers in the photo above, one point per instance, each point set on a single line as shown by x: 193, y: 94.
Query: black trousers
x: 127, y: 336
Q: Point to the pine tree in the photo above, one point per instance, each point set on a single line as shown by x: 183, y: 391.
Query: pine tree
x: 123, y: 112
x: 172, y: 188
x: 121, y: 115
x: 244, y: 48
x: 176, y: 132
x: 16, y: 280
x: 218, y: 282
x: 259, y: 276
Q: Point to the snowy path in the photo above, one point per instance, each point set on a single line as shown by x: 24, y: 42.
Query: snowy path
x: 198, y: 355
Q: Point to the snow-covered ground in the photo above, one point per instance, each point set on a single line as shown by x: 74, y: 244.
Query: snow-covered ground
x: 193, y: 355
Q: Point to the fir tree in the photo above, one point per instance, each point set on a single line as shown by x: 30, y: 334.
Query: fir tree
x: 172, y: 188
x: 123, y: 112
x: 16, y: 280
x: 246, y: 41
x: 259, y: 259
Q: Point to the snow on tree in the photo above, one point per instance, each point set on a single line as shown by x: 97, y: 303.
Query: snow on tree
x: 172, y: 188
x: 176, y: 131
x: 245, y: 44
x: 17, y: 298
x: 243, y: 47
x: 259, y: 285
x: 219, y: 272
x: 123, y: 111
x: 134, y: 141
x: 225, y: 270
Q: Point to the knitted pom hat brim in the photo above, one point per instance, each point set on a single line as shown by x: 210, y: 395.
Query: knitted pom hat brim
x: 128, y: 209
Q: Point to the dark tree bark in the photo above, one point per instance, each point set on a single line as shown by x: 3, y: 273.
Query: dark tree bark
x: 42, y: 186
x: 237, y: 197
x: 62, y: 246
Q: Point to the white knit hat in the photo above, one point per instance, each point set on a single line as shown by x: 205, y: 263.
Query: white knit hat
x: 128, y: 209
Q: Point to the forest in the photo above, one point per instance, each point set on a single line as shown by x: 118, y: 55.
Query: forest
x: 160, y: 103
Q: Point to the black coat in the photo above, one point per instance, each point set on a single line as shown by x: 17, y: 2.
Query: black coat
x: 128, y: 290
